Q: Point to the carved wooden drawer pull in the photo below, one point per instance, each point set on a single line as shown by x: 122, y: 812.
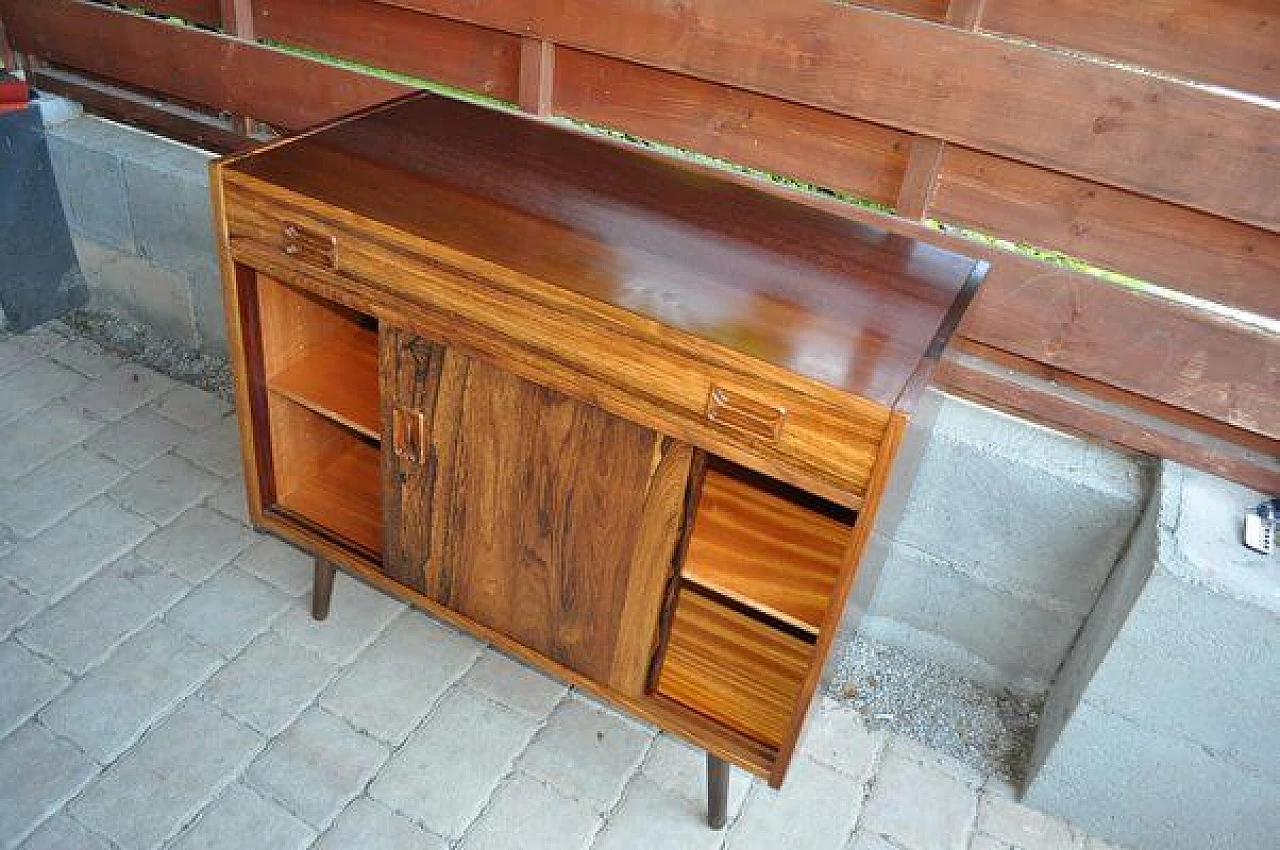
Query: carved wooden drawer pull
x: 746, y: 415
x: 310, y: 246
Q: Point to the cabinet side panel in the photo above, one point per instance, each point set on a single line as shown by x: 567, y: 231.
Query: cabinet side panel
x: 409, y: 369
x: 546, y: 511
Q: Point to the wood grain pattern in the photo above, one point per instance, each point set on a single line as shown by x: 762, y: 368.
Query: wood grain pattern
x: 1228, y: 42
x: 732, y: 668
x: 812, y: 145
x: 767, y: 547
x: 1096, y: 121
x: 1182, y: 249
x: 457, y: 54
x: 653, y: 566
x: 410, y: 368
x: 544, y: 515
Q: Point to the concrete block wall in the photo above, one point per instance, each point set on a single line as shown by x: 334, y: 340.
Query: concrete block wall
x: 138, y: 207
x: 1011, y: 530
x: 1161, y: 730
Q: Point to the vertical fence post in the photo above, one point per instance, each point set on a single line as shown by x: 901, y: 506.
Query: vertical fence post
x: 7, y: 57
x: 237, y: 20
x: 537, y: 75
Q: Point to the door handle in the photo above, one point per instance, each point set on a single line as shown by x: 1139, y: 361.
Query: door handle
x: 409, y: 434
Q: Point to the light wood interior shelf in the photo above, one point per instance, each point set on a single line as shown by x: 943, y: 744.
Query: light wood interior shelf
x: 733, y: 668
x: 326, y: 473
x: 332, y: 382
x: 767, y: 546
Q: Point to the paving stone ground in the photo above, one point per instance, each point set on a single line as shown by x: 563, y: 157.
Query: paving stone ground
x: 162, y: 683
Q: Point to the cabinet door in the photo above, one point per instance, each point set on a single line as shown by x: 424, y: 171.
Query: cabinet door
x: 554, y: 522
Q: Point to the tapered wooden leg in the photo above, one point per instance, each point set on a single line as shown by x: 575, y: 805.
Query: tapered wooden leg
x: 717, y: 792
x: 322, y: 589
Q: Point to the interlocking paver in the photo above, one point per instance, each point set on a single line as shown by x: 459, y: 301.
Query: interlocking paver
x: 870, y: 841
x: 89, y: 623
x: 56, y: 561
x: 13, y: 355
x: 527, y: 814
x: 356, y: 616
x: 42, y: 434
x: 1001, y: 817
x: 62, y: 833
x: 138, y: 438
x: 979, y: 842
x: 837, y: 736
x: 651, y: 817
x: 228, y: 610
x: 242, y: 820
x: 38, y: 773
x: 34, y: 385
x: 279, y: 564
x: 17, y: 607
x: 108, y: 709
x: 158, y: 786
x: 164, y: 488
x: 86, y: 357
x: 32, y: 503
x: 196, y: 544
x: 908, y: 774
x: 26, y: 683
x: 217, y: 448
x: 586, y: 753
x: 681, y: 770
x: 122, y: 390
x: 815, y: 810
x: 448, y: 768
x: 370, y: 826
x: 229, y: 500
x: 514, y: 684
x: 316, y: 767
x: 374, y: 694
x: 269, y: 684
x: 191, y: 406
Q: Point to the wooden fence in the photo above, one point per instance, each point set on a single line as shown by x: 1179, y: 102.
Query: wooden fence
x: 1135, y: 136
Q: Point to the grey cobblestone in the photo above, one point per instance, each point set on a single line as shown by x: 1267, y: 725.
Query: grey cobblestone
x: 317, y: 767
x: 277, y: 563
x: 38, y: 773
x: 62, y: 833
x: 34, y: 385
x: 86, y: 357
x: 196, y: 544
x: 216, y: 449
x: 513, y: 684
x: 908, y: 775
x: 269, y: 684
x: 139, y: 438
x: 445, y: 772
x: 28, y: 683
x: 89, y: 623
x: 121, y: 391
x: 375, y: 695
x: 42, y: 434
x: 40, y: 498
x: 150, y: 793
x: 814, y: 810
x: 356, y: 617
x: 228, y: 611
x: 17, y: 607
x: 106, y: 711
x: 243, y: 820
x: 194, y: 408
x: 369, y: 826
x: 681, y: 770
x: 651, y: 817
x: 164, y: 488
x: 530, y: 815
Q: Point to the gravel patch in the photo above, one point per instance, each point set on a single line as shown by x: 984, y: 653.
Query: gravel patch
x: 988, y: 729
x: 116, y: 332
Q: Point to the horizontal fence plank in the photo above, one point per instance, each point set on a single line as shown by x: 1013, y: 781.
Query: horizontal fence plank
x: 1064, y: 401
x: 1158, y: 137
x: 932, y: 10
x: 457, y: 54
x: 1196, y: 253
x: 800, y: 142
x: 1138, y: 342
x: 234, y: 76
x: 188, y: 125
x: 1228, y: 42
x: 196, y: 11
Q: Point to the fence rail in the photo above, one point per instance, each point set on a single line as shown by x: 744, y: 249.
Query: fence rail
x: 924, y: 106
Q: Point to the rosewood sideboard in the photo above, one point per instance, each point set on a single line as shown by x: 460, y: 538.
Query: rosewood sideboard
x: 621, y: 416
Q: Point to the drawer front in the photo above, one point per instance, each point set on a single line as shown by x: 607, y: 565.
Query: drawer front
x: 721, y: 401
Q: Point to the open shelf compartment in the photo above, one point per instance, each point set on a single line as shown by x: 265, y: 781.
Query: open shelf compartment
x: 321, y: 355
x: 768, y: 546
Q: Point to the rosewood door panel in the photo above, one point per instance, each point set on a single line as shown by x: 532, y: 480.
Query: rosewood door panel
x: 543, y: 514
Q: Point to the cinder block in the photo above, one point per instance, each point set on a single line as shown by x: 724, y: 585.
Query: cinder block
x: 1126, y: 783
x: 157, y: 297
x: 1014, y: 642
x: 91, y: 183
x: 169, y: 204
x: 207, y: 305
x: 1032, y: 509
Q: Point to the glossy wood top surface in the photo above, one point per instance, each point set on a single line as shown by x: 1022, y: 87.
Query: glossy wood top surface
x: 819, y: 295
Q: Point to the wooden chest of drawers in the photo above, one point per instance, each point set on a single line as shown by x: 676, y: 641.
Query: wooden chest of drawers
x: 626, y: 419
